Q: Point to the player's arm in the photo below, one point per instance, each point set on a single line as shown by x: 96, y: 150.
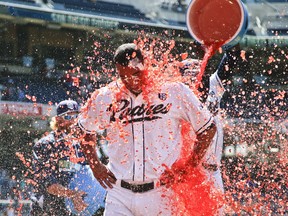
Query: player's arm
x: 230, y: 64
x: 88, y: 146
x: 94, y: 118
x: 104, y: 176
x: 216, y: 91
x: 202, y: 123
x: 202, y: 143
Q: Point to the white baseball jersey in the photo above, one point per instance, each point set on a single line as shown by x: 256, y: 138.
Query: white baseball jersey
x: 216, y: 91
x: 143, y: 136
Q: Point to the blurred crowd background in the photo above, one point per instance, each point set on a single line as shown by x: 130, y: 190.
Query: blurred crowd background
x: 52, y: 50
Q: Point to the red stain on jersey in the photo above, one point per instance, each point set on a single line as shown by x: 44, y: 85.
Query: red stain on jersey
x: 194, y: 194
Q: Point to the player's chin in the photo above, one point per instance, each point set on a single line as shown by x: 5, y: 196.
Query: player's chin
x: 136, y: 90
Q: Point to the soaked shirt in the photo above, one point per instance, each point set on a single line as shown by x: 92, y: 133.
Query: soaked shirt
x: 144, y: 133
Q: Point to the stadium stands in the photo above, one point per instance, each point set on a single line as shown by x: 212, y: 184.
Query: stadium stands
x: 28, y: 1
x: 100, y: 7
x: 48, y: 91
x: 104, y: 8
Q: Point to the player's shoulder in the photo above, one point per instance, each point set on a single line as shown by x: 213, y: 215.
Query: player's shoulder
x: 105, y: 90
x: 216, y: 83
x: 176, y: 87
x: 103, y: 94
x: 46, y: 140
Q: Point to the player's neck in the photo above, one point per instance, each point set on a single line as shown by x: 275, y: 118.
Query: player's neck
x: 136, y: 93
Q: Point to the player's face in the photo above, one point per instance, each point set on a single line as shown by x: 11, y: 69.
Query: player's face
x: 66, y: 120
x: 190, y: 72
x: 132, y: 76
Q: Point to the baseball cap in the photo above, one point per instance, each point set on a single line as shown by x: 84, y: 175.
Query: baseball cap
x: 67, y: 106
x: 127, y: 52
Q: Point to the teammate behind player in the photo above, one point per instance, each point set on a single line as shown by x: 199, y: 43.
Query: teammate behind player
x: 142, y: 136
x: 54, y: 168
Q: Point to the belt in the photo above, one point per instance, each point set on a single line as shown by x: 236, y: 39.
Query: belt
x: 138, y: 188
x: 210, y: 167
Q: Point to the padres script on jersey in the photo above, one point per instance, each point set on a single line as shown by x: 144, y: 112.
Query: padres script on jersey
x: 143, y: 135
x: 138, y: 113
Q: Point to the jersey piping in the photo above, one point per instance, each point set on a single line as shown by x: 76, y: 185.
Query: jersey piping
x: 204, y: 126
x: 143, y: 129
x: 133, y: 135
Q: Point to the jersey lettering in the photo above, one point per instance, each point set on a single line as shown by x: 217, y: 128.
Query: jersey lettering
x: 138, y: 113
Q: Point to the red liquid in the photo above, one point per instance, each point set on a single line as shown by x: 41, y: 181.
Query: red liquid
x: 195, y: 195
x: 187, y: 194
x: 209, y: 52
x: 214, y: 21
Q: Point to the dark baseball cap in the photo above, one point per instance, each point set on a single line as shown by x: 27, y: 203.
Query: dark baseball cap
x: 127, y: 52
x: 67, y: 106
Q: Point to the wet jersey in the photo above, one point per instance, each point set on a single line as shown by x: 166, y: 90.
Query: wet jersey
x: 143, y: 134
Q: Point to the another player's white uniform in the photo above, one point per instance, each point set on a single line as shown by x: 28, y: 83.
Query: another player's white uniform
x: 142, y: 137
x: 212, y: 159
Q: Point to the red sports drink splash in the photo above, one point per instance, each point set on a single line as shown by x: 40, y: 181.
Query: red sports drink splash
x: 194, y: 194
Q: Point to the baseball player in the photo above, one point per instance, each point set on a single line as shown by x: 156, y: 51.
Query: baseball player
x: 144, y: 136
x: 212, y: 92
x: 55, y: 169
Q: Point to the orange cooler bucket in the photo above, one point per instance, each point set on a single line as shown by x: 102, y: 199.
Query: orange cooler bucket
x: 217, y: 22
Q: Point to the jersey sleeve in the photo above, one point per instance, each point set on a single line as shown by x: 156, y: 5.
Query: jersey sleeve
x: 95, y: 116
x: 216, y: 91
x: 194, y: 111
